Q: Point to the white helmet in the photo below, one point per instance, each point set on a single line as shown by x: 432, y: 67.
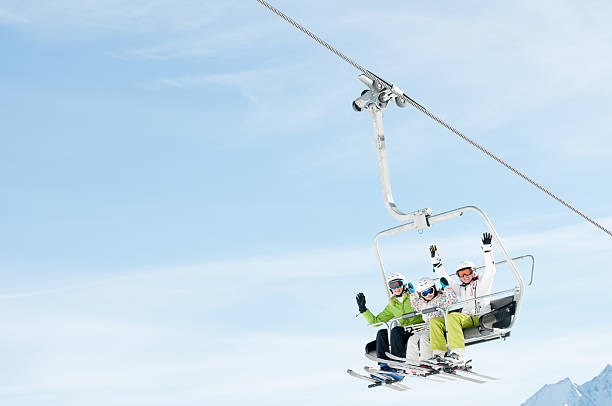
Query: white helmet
x: 423, y: 284
x: 396, y: 277
x: 464, y: 265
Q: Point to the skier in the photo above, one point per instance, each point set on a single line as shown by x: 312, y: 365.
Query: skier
x: 471, y: 287
x: 399, y: 304
x: 424, y: 296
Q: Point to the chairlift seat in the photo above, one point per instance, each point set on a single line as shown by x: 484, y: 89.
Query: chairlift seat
x: 500, y: 316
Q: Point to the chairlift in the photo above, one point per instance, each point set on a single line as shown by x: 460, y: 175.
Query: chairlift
x: 505, y: 304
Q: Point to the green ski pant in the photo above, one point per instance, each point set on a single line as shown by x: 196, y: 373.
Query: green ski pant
x: 456, y: 323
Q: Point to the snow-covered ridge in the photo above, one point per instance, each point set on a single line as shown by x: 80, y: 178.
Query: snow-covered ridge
x: 596, y: 392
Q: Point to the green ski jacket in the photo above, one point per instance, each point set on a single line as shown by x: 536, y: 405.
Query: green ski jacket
x: 394, y: 309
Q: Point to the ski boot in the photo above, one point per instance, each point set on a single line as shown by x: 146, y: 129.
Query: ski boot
x: 455, y: 360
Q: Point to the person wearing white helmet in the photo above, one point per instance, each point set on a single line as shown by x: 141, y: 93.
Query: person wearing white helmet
x: 425, y: 295
x: 472, y: 286
x: 399, y: 304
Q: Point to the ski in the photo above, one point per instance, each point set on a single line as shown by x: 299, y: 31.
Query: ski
x: 425, y: 370
x: 374, y: 382
x: 401, y: 365
x: 384, y: 376
x: 441, y: 370
x: 469, y: 371
x: 451, y: 370
x: 409, y: 373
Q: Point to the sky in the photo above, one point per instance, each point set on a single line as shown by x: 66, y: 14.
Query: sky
x: 189, y: 201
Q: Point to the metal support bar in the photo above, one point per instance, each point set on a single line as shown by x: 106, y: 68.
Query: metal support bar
x: 383, y: 167
x: 516, y: 259
x: 454, y: 305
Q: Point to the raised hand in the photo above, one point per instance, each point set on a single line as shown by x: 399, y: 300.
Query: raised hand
x: 361, y: 302
x: 435, y: 256
x: 444, y: 282
x: 410, y: 287
x: 486, y: 242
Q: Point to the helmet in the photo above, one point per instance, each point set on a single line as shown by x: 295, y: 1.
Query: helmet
x: 464, y: 265
x: 396, y: 277
x: 423, y: 284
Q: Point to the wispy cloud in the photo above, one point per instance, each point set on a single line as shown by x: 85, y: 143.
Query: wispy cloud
x: 11, y: 17
x: 272, y: 111
x: 221, y: 43
x: 572, y: 238
x: 138, y: 15
x: 346, y: 261
x: 63, y: 289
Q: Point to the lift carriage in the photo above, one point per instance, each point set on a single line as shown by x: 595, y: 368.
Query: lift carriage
x: 505, y: 304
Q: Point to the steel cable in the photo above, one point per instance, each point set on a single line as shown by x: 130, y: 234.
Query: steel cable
x: 435, y: 118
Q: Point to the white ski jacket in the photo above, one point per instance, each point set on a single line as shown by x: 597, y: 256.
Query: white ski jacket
x: 480, y: 286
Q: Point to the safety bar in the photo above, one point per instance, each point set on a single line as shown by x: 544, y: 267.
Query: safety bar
x: 407, y: 316
x: 436, y: 308
x: 516, y: 259
x: 413, y: 314
x: 456, y: 304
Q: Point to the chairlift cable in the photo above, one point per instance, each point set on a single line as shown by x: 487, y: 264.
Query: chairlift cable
x: 510, y: 167
x: 316, y: 38
x: 435, y: 118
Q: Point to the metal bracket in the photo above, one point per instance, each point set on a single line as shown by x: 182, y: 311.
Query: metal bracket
x: 420, y: 218
x: 378, y: 94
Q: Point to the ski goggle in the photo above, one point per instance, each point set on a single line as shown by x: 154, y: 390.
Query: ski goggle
x: 427, y: 292
x: 464, y: 272
x: 396, y: 284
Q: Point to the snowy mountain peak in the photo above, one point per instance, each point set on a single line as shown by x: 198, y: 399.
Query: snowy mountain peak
x: 599, y: 389
x: 596, y: 392
x: 561, y: 393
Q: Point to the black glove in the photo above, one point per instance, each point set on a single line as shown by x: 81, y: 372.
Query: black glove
x: 361, y: 302
x: 435, y: 256
x: 486, y: 242
x: 443, y: 282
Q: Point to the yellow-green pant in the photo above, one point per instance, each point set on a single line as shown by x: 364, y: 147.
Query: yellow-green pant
x: 456, y: 323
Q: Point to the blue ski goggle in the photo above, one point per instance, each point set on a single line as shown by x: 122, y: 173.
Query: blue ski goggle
x: 396, y: 284
x: 428, y: 291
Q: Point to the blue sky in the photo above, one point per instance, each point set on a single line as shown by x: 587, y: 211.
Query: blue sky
x: 188, y: 195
